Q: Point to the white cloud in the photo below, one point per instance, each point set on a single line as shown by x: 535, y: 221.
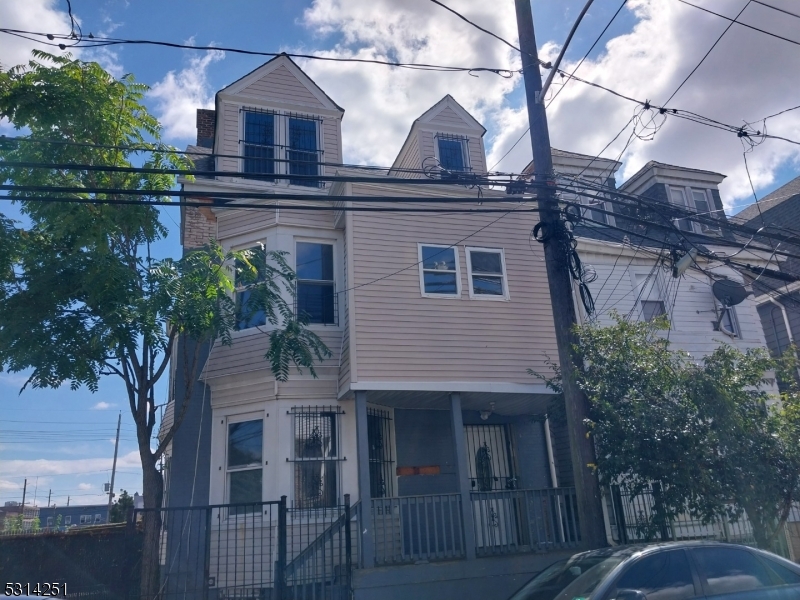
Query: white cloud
x: 9, y: 486
x: 382, y: 102
x: 101, y: 406
x: 84, y: 487
x: 42, y: 466
x: 745, y: 77
x: 180, y: 94
x: 31, y: 15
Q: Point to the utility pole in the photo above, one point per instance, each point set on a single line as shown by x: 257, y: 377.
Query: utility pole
x: 49, y: 493
x: 113, y: 470
x: 587, y: 488
x: 24, y: 489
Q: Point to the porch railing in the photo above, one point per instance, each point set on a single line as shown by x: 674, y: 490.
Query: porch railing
x: 513, y: 521
x: 414, y: 529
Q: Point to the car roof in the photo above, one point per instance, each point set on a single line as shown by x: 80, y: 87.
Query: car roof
x: 628, y: 550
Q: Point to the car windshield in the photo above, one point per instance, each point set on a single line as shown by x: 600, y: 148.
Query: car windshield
x: 571, y: 579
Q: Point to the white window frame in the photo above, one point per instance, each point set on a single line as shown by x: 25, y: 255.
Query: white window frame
x: 462, y: 139
x: 737, y: 328
x: 336, y: 276
x: 68, y: 520
x: 422, y: 291
x: 656, y: 293
x: 281, y: 142
x: 688, y: 195
x: 261, y: 242
x: 506, y: 296
x: 243, y: 418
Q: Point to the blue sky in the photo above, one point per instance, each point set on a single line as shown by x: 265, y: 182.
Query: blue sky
x: 646, y: 53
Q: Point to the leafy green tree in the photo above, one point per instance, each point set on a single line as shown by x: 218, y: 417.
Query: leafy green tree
x: 121, y: 506
x: 705, y: 434
x: 81, y: 295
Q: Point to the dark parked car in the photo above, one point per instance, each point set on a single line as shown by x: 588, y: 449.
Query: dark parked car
x: 667, y: 571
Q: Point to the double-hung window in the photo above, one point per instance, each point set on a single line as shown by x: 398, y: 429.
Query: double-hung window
x: 249, y: 313
x: 316, y: 456
x: 703, y: 204
x: 486, y: 269
x: 244, y: 462
x: 278, y: 146
x: 439, y: 272
x: 316, y: 293
x: 259, y: 145
x: 453, y: 153
x: 678, y: 197
x: 698, y: 201
x: 651, y: 303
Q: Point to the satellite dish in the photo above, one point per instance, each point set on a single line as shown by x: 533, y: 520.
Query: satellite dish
x: 729, y: 292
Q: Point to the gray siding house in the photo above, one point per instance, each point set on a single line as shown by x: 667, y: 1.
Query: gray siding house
x: 778, y: 301
x: 424, y: 414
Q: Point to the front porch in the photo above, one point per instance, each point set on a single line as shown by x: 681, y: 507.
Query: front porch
x: 441, y: 482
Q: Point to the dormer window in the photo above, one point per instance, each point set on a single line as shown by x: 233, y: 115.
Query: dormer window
x: 453, y: 153
x: 277, y: 144
x: 696, y: 200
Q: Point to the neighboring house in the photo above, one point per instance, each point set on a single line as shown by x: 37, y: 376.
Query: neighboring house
x: 73, y: 516
x: 10, y: 513
x: 633, y: 261
x: 424, y: 414
x: 778, y: 301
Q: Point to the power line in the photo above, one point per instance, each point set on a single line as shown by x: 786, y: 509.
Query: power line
x: 783, y: 10
x: 571, y: 75
x: 705, y: 56
x: 476, y: 26
x: 764, y: 31
x: 108, y: 41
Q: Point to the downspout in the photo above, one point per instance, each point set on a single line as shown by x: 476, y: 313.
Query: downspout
x: 553, y: 475
x: 785, y: 317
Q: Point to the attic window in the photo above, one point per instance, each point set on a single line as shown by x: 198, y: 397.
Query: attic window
x: 281, y: 146
x: 453, y: 153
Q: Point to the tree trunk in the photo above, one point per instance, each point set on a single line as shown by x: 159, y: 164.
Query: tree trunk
x: 761, y: 531
x: 153, y: 492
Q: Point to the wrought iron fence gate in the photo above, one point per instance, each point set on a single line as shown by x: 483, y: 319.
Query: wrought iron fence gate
x: 255, y: 551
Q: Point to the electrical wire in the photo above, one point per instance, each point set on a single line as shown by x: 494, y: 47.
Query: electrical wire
x: 109, y: 41
x: 783, y: 10
x: 764, y: 31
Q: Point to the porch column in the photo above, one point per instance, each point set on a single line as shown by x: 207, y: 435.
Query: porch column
x: 462, y: 473
x: 365, y: 512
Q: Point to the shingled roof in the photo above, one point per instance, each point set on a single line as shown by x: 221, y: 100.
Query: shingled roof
x: 783, y: 193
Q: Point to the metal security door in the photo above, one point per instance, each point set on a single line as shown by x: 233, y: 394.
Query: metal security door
x: 492, y: 480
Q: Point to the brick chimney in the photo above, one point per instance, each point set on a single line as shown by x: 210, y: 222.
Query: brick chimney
x: 206, y: 127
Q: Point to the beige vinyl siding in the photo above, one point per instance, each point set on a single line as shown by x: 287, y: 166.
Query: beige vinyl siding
x: 449, y: 117
x: 281, y: 85
x: 242, y: 220
x: 476, y: 156
x: 426, y: 145
x: 402, y: 336
x: 344, y: 320
x: 330, y: 144
x: 412, y: 159
x: 249, y: 348
x: 230, y: 138
x: 306, y: 218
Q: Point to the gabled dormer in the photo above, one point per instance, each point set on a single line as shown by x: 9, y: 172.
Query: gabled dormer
x: 445, y: 141
x: 275, y: 122
x: 684, y: 188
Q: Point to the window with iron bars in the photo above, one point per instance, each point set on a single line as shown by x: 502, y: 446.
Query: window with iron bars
x: 381, y: 463
x: 277, y: 145
x: 317, y: 456
x: 453, y: 154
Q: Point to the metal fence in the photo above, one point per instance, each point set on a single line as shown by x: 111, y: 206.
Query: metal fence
x: 321, y: 553
x: 417, y: 528
x: 513, y: 521
x: 637, y: 518
x: 254, y: 551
